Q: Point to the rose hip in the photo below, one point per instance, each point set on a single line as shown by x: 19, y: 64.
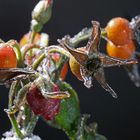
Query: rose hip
x: 47, y: 108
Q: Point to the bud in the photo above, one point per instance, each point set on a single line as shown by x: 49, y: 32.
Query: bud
x: 42, y: 11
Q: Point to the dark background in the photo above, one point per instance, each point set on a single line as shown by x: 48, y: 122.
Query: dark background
x: 118, y: 119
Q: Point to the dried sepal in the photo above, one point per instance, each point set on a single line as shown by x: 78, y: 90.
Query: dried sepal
x: 94, y: 41
x: 80, y: 56
x: 87, y: 77
x: 111, y: 61
x: 12, y: 74
x: 100, y: 77
x: 91, y: 62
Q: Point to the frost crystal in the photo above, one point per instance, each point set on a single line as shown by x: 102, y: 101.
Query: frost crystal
x: 10, y: 136
x: 135, y: 25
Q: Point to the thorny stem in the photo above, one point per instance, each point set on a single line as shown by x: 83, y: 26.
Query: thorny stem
x: 38, y: 61
x: 55, y: 48
x: 84, y: 35
x: 32, y: 124
x: 11, y: 116
x: 15, y: 125
x: 19, y: 101
x: 28, y: 48
x: 12, y: 95
x: 12, y: 92
x: 27, y: 114
x: 81, y: 36
x: 59, y: 68
x: 31, y: 40
x: 32, y: 37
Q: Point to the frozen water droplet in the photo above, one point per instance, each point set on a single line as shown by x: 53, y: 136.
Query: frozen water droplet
x: 44, y: 40
x: 23, y: 117
x: 88, y: 82
x: 22, y: 108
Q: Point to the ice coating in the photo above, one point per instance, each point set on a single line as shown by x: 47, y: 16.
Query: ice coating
x: 44, y: 40
x: 135, y: 25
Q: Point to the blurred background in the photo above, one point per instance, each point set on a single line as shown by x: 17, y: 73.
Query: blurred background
x: 118, y: 119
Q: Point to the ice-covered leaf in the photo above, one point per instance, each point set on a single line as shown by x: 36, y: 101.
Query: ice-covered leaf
x: 69, y: 109
x: 67, y: 118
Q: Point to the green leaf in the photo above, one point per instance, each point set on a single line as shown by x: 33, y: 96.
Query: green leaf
x: 69, y: 110
x: 69, y: 115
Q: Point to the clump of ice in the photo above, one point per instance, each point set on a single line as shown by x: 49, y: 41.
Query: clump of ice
x: 11, y: 136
